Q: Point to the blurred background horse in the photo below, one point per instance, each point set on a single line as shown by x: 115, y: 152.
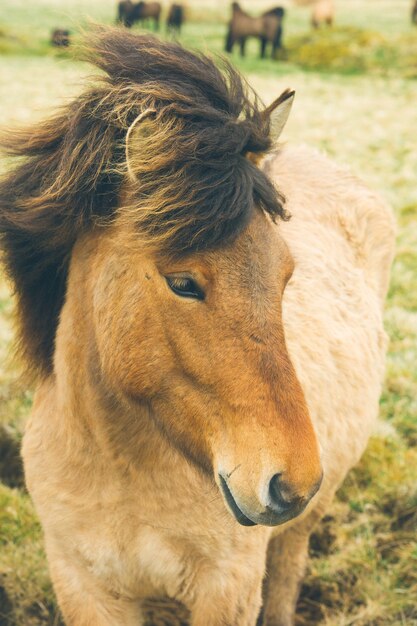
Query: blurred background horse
x: 175, y: 19
x: 267, y: 28
x: 142, y: 12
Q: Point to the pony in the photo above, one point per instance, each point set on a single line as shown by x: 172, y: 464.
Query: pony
x: 175, y: 18
x: 131, y: 12
x: 208, y: 368
x: 267, y: 28
x: 277, y: 11
x: 126, y: 13
x: 323, y: 13
x: 149, y: 11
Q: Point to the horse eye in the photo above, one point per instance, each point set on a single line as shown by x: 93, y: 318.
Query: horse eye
x: 185, y: 287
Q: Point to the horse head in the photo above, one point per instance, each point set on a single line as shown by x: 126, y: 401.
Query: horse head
x: 149, y: 182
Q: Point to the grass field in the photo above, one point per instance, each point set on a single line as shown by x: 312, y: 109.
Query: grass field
x: 371, y: 35
x: 363, y: 567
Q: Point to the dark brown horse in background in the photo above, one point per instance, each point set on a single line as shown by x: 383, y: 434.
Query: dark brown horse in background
x: 149, y: 11
x: 131, y: 12
x: 414, y: 13
x: 175, y: 19
x: 126, y: 13
x: 267, y: 28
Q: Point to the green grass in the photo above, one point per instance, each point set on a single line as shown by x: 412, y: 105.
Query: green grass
x: 369, y: 36
x: 363, y: 566
x: 25, y: 590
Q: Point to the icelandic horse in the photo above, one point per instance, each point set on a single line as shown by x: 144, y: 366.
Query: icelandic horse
x: 207, y: 368
x: 323, y: 11
x: 267, y: 28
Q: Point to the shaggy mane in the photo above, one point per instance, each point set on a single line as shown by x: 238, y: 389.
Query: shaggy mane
x: 193, y: 185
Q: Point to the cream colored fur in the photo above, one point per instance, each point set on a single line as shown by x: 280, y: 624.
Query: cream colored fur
x: 116, y: 537
x: 323, y: 12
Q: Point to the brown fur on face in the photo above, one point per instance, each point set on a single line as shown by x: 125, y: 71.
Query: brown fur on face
x: 215, y: 374
x: 205, y: 122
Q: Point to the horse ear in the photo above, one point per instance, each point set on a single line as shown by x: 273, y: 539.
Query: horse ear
x: 278, y: 113
x: 133, y: 136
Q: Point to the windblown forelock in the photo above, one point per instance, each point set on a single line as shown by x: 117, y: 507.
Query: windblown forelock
x: 194, y: 188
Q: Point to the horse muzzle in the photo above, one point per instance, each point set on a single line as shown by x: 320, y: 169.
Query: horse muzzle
x: 281, y: 505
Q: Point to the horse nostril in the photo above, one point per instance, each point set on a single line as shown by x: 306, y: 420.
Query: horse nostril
x: 281, y: 498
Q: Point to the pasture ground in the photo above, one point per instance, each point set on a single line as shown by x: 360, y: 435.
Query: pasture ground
x: 363, y: 566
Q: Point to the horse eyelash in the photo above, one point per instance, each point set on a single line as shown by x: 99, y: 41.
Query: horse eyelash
x: 180, y: 281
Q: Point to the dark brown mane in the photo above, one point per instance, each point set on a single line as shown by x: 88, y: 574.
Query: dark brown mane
x: 195, y: 187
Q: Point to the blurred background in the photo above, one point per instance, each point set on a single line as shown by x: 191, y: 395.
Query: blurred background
x: 353, y: 64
